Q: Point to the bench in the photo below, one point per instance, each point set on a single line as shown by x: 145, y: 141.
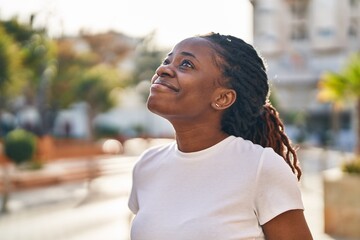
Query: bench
x: 65, y: 171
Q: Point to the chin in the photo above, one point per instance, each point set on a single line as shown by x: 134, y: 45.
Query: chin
x: 151, y: 105
x: 158, y: 109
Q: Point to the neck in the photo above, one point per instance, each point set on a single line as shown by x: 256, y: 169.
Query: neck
x: 197, y: 139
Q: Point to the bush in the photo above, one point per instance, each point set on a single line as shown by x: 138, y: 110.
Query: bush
x: 20, y: 146
x: 102, y: 131
x: 352, y: 166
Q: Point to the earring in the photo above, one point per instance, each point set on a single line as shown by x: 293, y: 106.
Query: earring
x: 217, y: 105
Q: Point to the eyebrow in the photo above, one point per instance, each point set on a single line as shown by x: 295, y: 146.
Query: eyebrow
x: 185, y: 54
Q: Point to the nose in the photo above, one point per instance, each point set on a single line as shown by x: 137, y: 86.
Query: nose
x: 165, y: 71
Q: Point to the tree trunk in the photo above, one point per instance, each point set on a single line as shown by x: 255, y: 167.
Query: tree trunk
x: 6, y: 193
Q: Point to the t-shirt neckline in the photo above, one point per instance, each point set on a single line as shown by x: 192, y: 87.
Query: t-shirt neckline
x: 205, y: 152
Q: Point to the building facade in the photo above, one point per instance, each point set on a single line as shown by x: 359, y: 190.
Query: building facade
x: 300, y: 40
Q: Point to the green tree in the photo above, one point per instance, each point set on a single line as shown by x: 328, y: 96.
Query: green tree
x: 34, y: 48
x: 10, y: 67
x: 11, y: 74
x: 98, y: 88
x: 342, y: 87
x: 84, y: 75
x: 38, y: 61
x: 71, y: 65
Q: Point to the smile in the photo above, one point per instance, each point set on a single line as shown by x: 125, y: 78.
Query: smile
x: 166, y: 84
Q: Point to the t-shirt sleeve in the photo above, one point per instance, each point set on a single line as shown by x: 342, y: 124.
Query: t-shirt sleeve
x: 277, y: 187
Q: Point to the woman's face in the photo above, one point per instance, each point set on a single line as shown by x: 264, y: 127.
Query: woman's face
x: 183, y: 85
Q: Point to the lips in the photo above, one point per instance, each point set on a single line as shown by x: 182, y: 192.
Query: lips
x: 166, y: 84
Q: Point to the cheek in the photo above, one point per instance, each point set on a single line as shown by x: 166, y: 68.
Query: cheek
x: 205, y: 91
x: 199, y: 97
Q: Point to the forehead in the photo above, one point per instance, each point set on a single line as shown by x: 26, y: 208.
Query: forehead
x: 201, y: 48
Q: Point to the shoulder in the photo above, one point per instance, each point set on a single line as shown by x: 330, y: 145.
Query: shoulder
x: 265, y: 157
x: 274, y: 164
x: 245, y: 145
x: 246, y: 148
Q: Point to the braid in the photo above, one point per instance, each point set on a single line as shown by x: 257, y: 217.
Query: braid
x: 277, y: 139
x: 251, y: 116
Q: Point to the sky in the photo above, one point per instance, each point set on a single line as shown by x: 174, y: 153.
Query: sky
x: 172, y: 21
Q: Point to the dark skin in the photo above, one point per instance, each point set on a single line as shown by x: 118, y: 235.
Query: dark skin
x: 290, y: 225
x: 187, y: 91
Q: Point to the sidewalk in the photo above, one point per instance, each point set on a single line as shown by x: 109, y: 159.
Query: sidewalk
x: 313, y: 162
x: 67, y: 212
x: 58, y: 213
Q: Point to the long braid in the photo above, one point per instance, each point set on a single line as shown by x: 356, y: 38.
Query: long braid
x: 277, y: 139
x: 251, y: 116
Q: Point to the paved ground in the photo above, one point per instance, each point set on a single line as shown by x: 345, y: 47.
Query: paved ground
x: 68, y: 212
x: 60, y: 213
x: 314, y: 161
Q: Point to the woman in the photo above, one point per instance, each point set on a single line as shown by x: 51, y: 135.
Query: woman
x: 231, y: 173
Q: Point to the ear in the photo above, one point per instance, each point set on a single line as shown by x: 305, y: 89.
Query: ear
x: 223, y: 98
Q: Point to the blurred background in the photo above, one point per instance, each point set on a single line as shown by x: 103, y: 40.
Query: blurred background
x: 74, y: 78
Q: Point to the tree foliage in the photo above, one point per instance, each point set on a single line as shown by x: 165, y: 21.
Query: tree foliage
x: 95, y: 86
x: 11, y: 58
x: 342, y: 87
x: 52, y: 74
x: 20, y: 146
x: 70, y: 66
x: 38, y: 51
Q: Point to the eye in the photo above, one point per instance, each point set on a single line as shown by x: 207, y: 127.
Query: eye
x: 186, y: 64
x: 166, y: 61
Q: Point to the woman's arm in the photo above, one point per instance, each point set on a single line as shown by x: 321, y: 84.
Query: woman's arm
x: 290, y: 225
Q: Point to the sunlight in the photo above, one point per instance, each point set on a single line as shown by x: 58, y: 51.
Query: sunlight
x: 171, y: 21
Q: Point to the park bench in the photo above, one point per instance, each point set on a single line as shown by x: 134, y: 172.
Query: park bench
x: 63, y: 171
x: 81, y: 169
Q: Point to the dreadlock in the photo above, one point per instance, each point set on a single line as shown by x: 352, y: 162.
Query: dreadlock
x: 252, y: 116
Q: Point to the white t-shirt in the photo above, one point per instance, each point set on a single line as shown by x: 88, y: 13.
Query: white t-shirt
x: 224, y: 192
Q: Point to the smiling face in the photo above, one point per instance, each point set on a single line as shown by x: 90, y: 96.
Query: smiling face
x: 185, y: 84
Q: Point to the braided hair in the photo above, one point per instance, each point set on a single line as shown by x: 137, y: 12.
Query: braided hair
x: 252, y: 116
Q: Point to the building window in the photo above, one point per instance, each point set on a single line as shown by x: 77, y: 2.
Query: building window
x: 354, y: 29
x: 298, y: 9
